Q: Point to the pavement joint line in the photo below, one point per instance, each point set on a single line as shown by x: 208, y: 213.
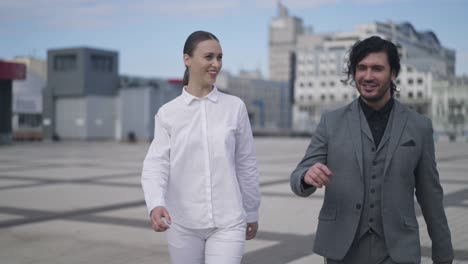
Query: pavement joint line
x: 66, y: 214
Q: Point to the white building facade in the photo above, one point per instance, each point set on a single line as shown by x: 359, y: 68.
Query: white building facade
x: 320, y: 64
x: 27, y: 99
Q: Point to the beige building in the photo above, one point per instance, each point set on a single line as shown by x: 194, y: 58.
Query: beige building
x: 450, y: 108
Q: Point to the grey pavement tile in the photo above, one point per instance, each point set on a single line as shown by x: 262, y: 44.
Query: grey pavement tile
x: 75, y: 242
x: 67, y: 197
x: 11, y: 182
x: 9, y: 217
x: 67, y: 173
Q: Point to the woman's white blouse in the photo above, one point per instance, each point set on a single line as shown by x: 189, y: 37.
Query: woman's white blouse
x: 201, y: 164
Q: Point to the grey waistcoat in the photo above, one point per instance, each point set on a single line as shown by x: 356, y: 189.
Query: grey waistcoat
x: 373, y: 163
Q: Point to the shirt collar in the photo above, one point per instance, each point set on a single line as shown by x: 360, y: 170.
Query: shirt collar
x: 189, y: 98
x: 369, y: 111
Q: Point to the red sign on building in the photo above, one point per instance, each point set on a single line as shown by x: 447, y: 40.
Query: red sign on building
x: 12, y: 71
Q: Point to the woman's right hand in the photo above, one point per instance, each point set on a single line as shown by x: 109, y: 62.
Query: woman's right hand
x: 160, y: 219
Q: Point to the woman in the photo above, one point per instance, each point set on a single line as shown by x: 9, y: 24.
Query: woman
x: 200, y: 176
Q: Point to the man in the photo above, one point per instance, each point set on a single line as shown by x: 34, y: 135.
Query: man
x: 373, y: 155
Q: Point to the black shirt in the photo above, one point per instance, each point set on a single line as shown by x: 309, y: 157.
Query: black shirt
x: 377, y: 119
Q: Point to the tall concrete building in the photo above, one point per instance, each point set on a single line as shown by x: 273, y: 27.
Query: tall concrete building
x: 79, y: 99
x: 284, y: 32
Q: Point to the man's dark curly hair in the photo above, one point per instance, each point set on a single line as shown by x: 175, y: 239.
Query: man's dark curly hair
x: 370, y: 45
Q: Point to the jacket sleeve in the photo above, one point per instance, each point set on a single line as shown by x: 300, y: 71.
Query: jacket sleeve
x: 316, y: 152
x: 156, y: 168
x: 430, y: 196
x: 246, y: 167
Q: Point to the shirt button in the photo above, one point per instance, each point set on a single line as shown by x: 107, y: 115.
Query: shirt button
x: 358, y: 206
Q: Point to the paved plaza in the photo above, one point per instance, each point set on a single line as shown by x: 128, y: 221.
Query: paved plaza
x: 81, y: 202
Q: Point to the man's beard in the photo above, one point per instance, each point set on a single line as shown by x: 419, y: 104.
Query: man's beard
x: 380, y: 94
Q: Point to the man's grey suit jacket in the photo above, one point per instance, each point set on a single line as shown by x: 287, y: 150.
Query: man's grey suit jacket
x: 410, y: 167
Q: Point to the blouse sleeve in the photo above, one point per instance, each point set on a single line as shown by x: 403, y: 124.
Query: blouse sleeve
x: 155, y: 172
x: 246, y: 167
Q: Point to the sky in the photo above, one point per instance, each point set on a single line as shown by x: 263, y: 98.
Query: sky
x: 149, y: 34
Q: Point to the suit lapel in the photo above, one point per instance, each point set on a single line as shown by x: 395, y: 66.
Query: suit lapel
x: 400, y: 116
x: 365, y: 125
x: 354, y: 126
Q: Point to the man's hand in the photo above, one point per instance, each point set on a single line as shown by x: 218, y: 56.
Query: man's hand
x: 251, y: 230
x: 318, y: 175
x: 160, y: 219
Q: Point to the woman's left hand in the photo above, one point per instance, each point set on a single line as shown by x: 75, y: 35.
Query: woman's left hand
x: 251, y: 230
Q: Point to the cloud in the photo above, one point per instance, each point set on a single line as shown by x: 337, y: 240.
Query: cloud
x: 55, y: 13
x: 378, y: 2
x: 187, y: 7
x: 105, y: 13
x: 318, y: 3
x: 295, y: 3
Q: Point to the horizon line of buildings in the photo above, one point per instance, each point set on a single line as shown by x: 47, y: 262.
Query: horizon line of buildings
x: 78, y: 93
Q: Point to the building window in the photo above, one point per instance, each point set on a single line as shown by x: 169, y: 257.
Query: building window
x: 345, y: 96
x: 398, y: 81
x: 410, y: 95
x: 323, y: 84
x: 410, y: 81
x: 310, y: 98
x: 420, y: 80
x: 332, y: 84
x: 322, y: 97
x: 310, y: 84
x: 420, y: 94
x: 332, y: 97
x: 101, y: 63
x: 65, y: 62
